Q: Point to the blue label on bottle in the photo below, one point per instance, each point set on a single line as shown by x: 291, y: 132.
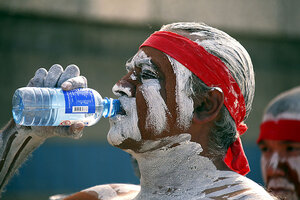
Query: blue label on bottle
x: 79, y: 101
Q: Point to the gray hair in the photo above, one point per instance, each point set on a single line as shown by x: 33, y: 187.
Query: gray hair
x: 237, y: 60
x: 284, y: 106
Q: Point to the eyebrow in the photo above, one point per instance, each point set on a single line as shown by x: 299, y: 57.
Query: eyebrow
x: 289, y: 142
x: 129, y: 65
x: 281, y: 142
x: 145, y: 61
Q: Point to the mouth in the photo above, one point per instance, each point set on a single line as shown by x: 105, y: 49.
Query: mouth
x: 121, y: 111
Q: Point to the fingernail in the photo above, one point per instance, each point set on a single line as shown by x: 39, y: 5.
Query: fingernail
x: 78, y: 126
x: 66, y: 85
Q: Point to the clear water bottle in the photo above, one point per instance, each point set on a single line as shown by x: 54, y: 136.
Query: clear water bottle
x: 37, y: 106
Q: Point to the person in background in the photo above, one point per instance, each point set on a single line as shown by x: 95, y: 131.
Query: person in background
x: 185, y: 97
x: 279, y: 142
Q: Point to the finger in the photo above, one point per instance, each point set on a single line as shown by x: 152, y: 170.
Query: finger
x: 73, y: 83
x: 38, y: 79
x: 70, y: 72
x: 77, y: 129
x: 53, y: 75
x: 73, y: 131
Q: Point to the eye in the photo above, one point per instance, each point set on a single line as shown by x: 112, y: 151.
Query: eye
x: 264, y: 148
x: 290, y: 148
x: 147, y: 74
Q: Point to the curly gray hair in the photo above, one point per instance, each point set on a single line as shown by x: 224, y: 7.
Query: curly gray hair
x: 284, y: 106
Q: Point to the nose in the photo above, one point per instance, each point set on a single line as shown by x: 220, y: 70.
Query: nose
x: 277, y: 166
x: 125, y: 86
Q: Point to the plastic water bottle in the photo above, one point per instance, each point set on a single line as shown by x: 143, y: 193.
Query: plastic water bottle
x: 37, y: 106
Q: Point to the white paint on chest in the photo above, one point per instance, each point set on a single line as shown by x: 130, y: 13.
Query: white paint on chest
x: 157, y: 109
x: 173, y: 169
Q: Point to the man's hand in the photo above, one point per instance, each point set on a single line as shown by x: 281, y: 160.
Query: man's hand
x: 67, y: 79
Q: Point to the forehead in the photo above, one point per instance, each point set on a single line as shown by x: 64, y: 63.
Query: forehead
x: 150, y: 57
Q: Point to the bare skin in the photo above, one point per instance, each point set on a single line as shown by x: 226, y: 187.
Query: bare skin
x: 171, y: 149
x: 173, y: 157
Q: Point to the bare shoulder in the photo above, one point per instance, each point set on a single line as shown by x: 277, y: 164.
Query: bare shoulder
x: 250, y: 190
x: 236, y: 187
x: 109, y: 191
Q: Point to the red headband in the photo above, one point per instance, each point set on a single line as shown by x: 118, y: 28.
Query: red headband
x: 280, y: 130
x: 205, y: 65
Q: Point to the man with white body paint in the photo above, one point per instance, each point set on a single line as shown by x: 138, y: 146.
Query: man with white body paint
x: 186, y: 94
x: 279, y: 141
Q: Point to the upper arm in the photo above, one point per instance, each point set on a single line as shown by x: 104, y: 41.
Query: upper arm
x: 109, y: 191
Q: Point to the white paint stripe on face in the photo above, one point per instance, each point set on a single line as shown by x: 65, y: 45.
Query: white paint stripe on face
x: 263, y: 163
x: 157, y: 108
x: 294, y: 163
x: 184, y: 102
x: 133, y: 77
x: 274, y: 160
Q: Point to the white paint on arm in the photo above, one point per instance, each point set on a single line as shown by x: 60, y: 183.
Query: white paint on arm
x: 17, y: 144
x: 115, y: 191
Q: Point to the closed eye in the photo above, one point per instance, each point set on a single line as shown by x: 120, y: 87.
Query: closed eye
x: 147, y: 74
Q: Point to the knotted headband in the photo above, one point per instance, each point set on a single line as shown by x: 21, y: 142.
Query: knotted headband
x: 214, y: 73
x: 284, y: 129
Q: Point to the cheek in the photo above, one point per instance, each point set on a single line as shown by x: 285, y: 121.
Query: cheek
x: 263, y: 164
x: 142, y: 113
x: 152, y: 109
x: 294, y: 165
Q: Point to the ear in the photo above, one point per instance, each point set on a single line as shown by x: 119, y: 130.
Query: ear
x: 209, y: 106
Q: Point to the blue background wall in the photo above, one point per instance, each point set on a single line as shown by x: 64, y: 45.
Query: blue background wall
x: 66, y: 168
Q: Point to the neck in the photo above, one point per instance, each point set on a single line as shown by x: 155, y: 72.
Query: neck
x: 173, y: 166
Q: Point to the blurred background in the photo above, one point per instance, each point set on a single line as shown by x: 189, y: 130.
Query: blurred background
x: 99, y: 36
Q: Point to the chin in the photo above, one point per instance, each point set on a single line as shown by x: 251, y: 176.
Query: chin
x: 285, y: 194
x: 124, y: 126
x: 121, y: 129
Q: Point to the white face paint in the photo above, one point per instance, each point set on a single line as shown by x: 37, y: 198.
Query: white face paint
x: 277, y: 179
x: 123, y: 127
x: 184, y: 101
x: 157, y: 109
x: 274, y: 160
x: 263, y: 168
